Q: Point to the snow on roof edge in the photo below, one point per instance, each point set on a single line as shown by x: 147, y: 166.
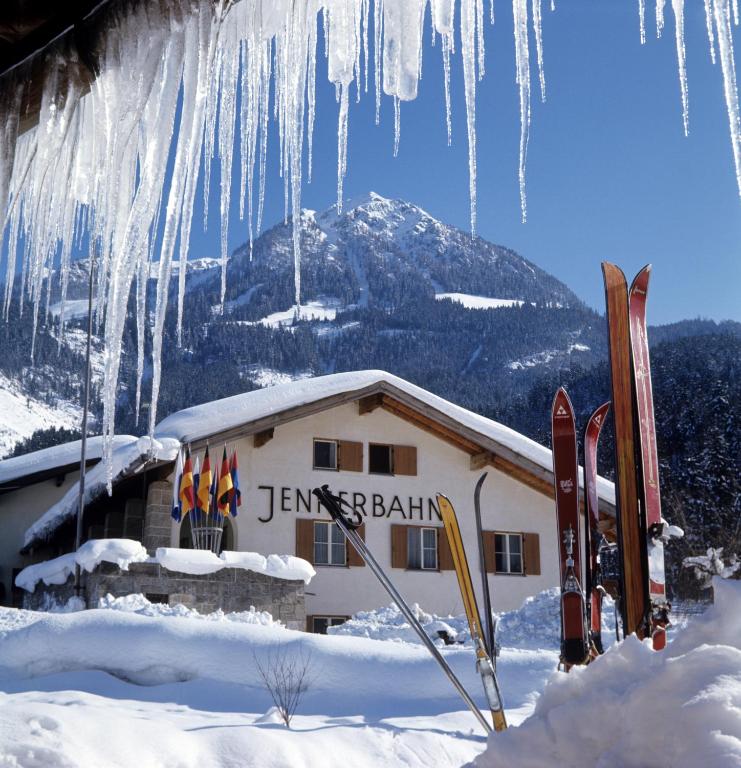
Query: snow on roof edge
x: 54, y: 457
x: 130, y: 456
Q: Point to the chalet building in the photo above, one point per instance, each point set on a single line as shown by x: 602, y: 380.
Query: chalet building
x: 385, y: 445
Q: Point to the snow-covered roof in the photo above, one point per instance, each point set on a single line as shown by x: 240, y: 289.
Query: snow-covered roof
x: 202, y: 421
x: 129, y: 456
x: 54, y: 458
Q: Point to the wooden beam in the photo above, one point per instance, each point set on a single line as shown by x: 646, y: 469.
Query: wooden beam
x: 260, y: 438
x: 370, y: 403
x: 429, y: 425
x: 481, y: 460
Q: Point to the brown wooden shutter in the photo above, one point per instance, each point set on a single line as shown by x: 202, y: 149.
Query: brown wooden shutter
x: 399, y: 557
x: 405, y: 460
x: 305, y: 539
x: 444, y: 555
x: 531, y: 554
x: 490, y: 559
x: 309, y: 623
x: 353, y: 558
x: 350, y: 456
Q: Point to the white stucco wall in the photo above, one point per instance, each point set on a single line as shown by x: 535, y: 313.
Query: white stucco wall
x: 18, y: 510
x: 285, y: 462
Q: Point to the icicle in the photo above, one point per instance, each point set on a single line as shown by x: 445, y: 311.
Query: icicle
x: 446, y: 80
x: 722, y: 18
x: 377, y: 57
x: 397, y: 125
x: 142, y: 279
x: 480, y: 38
x: 735, y: 12
x: 678, y: 7
x: 468, y: 36
x: 709, y: 25
x: 522, y: 57
x: 642, y: 20
x: 227, y: 113
x: 659, y: 17
x: 553, y: 5
x: 538, y: 27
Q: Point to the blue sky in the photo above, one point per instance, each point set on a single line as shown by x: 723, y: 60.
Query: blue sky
x: 610, y: 173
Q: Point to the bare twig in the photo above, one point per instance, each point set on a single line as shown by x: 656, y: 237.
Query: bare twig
x: 286, y: 673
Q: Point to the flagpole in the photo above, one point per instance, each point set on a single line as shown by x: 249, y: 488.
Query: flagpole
x: 85, y: 413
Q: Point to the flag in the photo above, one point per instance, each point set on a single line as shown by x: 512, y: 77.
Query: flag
x: 195, y: 517
x: 204, y: 485
x: 186, y: 494
x: 225, y: 486
x: 176, y: 505
x: 235, y: 498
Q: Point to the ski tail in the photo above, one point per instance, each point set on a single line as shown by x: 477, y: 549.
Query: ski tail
x: 333, y: 505
x: 483, y: 658
x: 594, y: 540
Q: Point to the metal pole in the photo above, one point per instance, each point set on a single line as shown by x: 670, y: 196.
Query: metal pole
x: 85, y: 412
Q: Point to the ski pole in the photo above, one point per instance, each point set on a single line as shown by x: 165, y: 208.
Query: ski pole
x: 332, y: 505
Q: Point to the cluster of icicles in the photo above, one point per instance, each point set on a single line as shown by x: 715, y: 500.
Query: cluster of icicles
x: 173, y: 80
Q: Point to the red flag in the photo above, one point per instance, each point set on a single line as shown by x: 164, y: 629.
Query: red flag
x: 225, y: 486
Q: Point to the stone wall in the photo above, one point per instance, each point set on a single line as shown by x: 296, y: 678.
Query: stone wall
x: 231, y: 589
x: 157, y: 520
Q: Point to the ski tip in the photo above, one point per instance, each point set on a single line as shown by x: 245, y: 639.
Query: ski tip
x: 640, y: 281
x: 612, y: 273
x: 561, y: 401
x: 480, y: 481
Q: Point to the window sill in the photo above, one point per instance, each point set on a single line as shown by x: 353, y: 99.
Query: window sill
x: 330, y: 565
x: 506, y: 573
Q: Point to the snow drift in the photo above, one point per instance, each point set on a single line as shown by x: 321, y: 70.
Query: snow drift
x: 634, y: 707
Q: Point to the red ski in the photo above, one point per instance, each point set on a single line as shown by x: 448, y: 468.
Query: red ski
x: 574, y: 644
x: 594, y: 540
x: 649, y: 464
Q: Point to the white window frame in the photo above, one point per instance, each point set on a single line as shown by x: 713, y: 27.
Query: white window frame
x: 506, y: 552
x: 331, y: 526
x: 336, y: 444
x: 422, y: 548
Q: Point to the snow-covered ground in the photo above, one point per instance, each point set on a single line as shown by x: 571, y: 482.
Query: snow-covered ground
x: 478, y: 302
x: 133, y: 683
x: 23, y: 415
x: 323, y: 308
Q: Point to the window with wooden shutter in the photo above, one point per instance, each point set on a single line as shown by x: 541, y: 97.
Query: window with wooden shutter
x: 405, y: 460
x: 351, y: 456
x: 444, y: 555
x: 305, y: 539
x: 531, y: 553
x: 325, y: 454
x: 353, y: 557
x: 398, y: 546
x: 380, y: 459
x: 489, y: 560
